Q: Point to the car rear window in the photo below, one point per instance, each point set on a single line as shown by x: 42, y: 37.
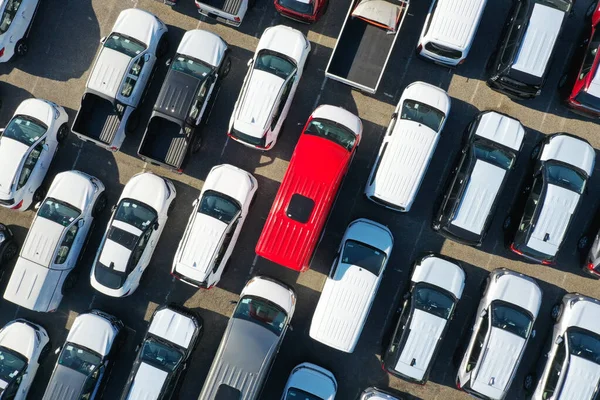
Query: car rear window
x: 443, y: 50
x: 333, y: 131
x: 300, y: 208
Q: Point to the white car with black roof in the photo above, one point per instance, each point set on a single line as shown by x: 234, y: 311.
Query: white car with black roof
x: 408, y: 146
x: 23, y: 347
x: 132, y: 234
x: 493, y: 142
x: 436, y: 286
x: 214, y: 226
x: 503, y: 326
x: 309, y: 381
x: 27, y: 147
x: 163, y: 356
x: 46, y: 267
x: 570, y: 369
x: 269, y: 87
x: 563, y: 166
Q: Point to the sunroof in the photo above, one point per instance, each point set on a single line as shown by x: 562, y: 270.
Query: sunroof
x: 300, y: 208
x: 226, y: 392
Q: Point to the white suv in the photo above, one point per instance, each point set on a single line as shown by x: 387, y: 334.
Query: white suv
x: 269, y: 87
x: 27, y: 147
x: 503, y: 325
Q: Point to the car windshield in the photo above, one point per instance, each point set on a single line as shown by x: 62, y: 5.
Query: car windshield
x: 219, y: 206
x: 584, y: 344
x: 588, y: 100
x: 333, y: 131
x: 58, y: 211
x: 191, y: 67
x: 11, y: 365
x: 123, y: 44
x: 364, y: 256
x: 262, y: 312
x: 511, y: 319
x: 298, y: 394
x: 494, y: 156
x: 423, y: 114
x: 135, y: 213
x: 24, y: 129
x: 161, y: 354
x: 305, y: 7
x: 433, y: 301
x: 274, y: 63
x: 79, y: 358
x: 566, y: 177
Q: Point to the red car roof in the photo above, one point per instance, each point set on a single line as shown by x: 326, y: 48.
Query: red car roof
x: 315, y: 171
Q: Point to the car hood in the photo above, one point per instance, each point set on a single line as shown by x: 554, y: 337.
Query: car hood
x: 74, y: 188
x: 37, y: 109
x: 149, y: 189
x: 19, y: 337
x: 174, y: 327
x: 284, y: 40
x: 570, y: 150
x: 425, y: 331
x: 501, y: 129
x: 94, y: 332
x: 31, y: 285
x: 65, y: 384
x: 148, y: 383
x: 204, y: 46
x: 442, y: 273
x: 108, y: 72
x: 138, y: 24
x: 42, y: 240
x: 232, y: 181
x: 11, y: 156
x: 428, y: 94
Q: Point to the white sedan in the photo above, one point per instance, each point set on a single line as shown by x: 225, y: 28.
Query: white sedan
x: 132, y: 234
x: 23, y: 346
x: 55, y: 242
x: 309, y: 381
x: 27, y: 147
x: 16, y: 17
x: 214, y: 226
x: 269, y: 87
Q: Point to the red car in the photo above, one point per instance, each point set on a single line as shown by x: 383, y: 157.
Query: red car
x: 582, y: 84
x: 309, y: 188
x: 305, y: 11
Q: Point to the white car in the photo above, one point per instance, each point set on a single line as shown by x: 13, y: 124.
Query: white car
x: 352, y: 284
x: 86, y: 358
x: 55, y: 242
x: 374, y: 393
x: 503, y: 325
x: 27, y: 146
x: 214, y: 226
x: 572, y: 365
x: 23, y: 346
x: 408, y: 146
x: 269, y: 87
x: 16, y: 18
x: 119, y: 78
x: 309, y: 381
x: 132, y: 234
x: 436, y: 286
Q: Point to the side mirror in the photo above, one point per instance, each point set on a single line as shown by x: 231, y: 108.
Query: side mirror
x: 37, y: 205
x: 46, y: 147
x: 195, y: 203
x: 57, y: 350
x: 155, y: 226
x: 114, y: 208
x: 250, y: 61
x: 103, y: 39
x: 483, y: 313
x: 168, y: 62
x: 533, y: 333
x: 1, y: 131
x: 80, y: 223
x: 559, y: 340
x: 233, y: 302
x: 146, y: 57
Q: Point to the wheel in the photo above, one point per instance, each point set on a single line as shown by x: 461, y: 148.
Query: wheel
x: 10, y: 252
x: 535, y: 152
x: 196, y: 144
x: 39, y: 195
x: 254, y: 196
x: 528, y: 382
x: 226, y: 67
x: 507, y: 223
x: 171, y: 207
x: 163, y: 46
x: 582, y: 243
x: 556, y: 312
x: 484, y: 286
x: 21, y: 48
x: 591, y: 9
x: 69, y: 282
x: 490, y: 61
x: 133, y: 121
x: 44, y: 353
x: 562, y: 81
x: 99, y: 206
x: 62, y: 133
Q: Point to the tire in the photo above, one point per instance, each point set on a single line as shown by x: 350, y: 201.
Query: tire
x: 507, y: 223
x: 562, y: 81
x: 99, y: 206
x: 21, y: 48
x: 39, y: 195
x: 556, y: 312
x: 226, y: 67
x: 62, y: 133
x: 133, y: 122
x: 44, y: 353
x: 583, y: 242
x: 70, y: 282
x: 10, y: 252
x: 535, y: 152
x: 528, y: 382
x: 197, y: 144
x: 163, y: 46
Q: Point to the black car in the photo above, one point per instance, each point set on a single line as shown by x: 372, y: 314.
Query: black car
x: 493, y: 142
x: 550, y: 198
x: 519, y: 65
x: 163, y: 355
x: 8, y: 247
x: 185, y: 99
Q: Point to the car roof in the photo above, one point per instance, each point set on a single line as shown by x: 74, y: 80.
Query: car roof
x: 173, y: 326
x: 501, y: 129
x: 540, y: 37
x: 440, y: 272
x: 455, y: 22
x: 230, y: 180
x: 203, y: 45
x: 570, y: 150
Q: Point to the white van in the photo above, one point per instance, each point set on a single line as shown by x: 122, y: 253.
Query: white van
x: 408, y: 146
x: 350, y: 289
x: 449, y: 30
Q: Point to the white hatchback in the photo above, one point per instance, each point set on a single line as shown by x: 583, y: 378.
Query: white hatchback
x: 55, y: 242
x: 16, y: 17
x: 27, y: 146
x: 132, y: 234
x: 309, y: 381
x: 214, y: 226
x: 23, y: 346
x: 269, y: 87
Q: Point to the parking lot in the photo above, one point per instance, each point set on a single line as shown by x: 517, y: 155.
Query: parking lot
x: 62, y: 47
